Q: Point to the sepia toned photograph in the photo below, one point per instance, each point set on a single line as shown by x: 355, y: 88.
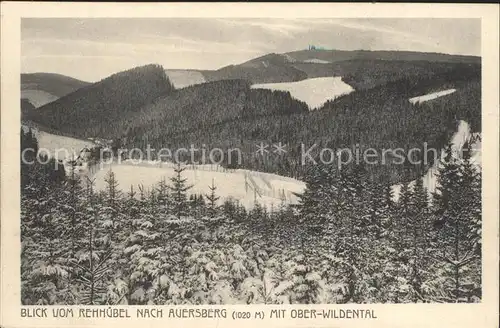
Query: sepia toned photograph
x: 238, y: 164
x: 170, y: 161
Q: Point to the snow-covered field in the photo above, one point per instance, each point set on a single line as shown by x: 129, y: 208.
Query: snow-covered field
x: 242, y: 185
x: 462, y: 135
x: 37, y: 98
x: 316, y: 61
x: 184, y: 78
x: 431, y: 96
x: 59, y: 146
x: 315, y: 92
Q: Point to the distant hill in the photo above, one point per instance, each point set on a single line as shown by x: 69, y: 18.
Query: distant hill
x: 170, y: 113
x: 99, y: 104
x: 366, y: 68
x: 42, y: 88
x: 271, y: 68
x: 332, y: 56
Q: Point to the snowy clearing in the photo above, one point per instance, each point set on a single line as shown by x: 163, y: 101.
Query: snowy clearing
x: 316, y: 61
x: 315, y: 92
x: 462, y: 135
x: 59, y: 147
x: 431, y: 96
x: 245, y: 186
x: 184, y: 78
x: 38, y: 98
x: 289, y: 58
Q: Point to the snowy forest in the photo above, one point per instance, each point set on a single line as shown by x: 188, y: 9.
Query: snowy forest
x: 346, y: 241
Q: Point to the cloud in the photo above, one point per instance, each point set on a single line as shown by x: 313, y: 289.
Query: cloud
x: 286, y: 28
x: 387, y: 33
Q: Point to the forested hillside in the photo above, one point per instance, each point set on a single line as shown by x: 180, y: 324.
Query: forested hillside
x: 369, y: 73
x: 343, y: 55
x: 365, y: 68
x: 88, y: 111
x: 177, y: 111
x: 380, y: 118
x: 55, y: 84
x: 140, y: 107
x: 270, y: 68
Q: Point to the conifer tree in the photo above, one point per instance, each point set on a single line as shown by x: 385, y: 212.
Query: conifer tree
x: 93, y: 262
x: 178, y: 192
x: 212, y: 199
x: 458, y: 210
x: 419, y: 224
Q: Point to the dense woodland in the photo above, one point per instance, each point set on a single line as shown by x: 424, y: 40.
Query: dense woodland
x: 334, y: 56
x: 345, y: 242
x: 365, y: 69
x: 379, y: 118
x: 364, y: 74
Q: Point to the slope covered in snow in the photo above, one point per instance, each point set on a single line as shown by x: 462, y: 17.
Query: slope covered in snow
x: 62, y: 148
x: 316, y: 61
x: 315, y: 92
x: 247, y: 187
x: 182, y: 78
x: 431, y: 96
x: 38, y: 97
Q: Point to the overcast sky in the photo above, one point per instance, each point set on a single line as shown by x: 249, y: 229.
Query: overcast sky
x: 91, y: 49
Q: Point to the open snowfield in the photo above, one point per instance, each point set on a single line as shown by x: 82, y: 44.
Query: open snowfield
x: 38, y: 98
x: 315, y: 92
x: 458, y: 140
x: 184, y: 78
x: 316, y: 61
x: 431, y: 96
x: 59, y: 147
x: 242, y: 185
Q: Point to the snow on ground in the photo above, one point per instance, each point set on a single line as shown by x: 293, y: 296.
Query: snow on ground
x: 316, y: 61
x: 315, y: 92
x: 61, y: 148
x: 289, y: 58
x: 462, y: 135
x: 431, y: 96
x: 38, y: 98
x: 243, y: 185
x: 184, y: 78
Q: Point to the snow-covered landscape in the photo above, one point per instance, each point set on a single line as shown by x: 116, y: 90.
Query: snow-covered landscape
x: 37, y: 98
x: 184, y: 78
x: 314, y: 92
x: 59, y: 147
x: 431, y: 96
x: 244, y: 186
x: 104, y: 221
x: 316, y: 61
